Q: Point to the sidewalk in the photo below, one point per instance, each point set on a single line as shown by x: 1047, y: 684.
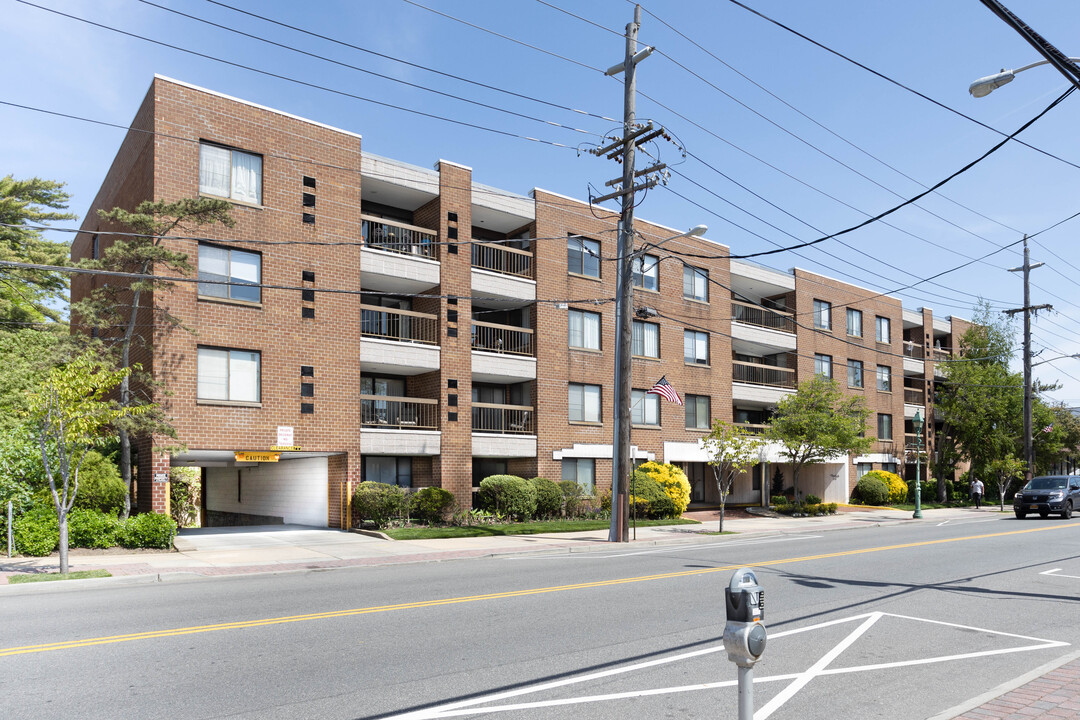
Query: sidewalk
x: 242, y: 551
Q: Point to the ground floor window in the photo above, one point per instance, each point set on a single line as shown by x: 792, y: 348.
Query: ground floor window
x: 580, y: 470
x: 486, y: 467
x: 388, y: 469
x: 862, y: 468
x: 889, y: 467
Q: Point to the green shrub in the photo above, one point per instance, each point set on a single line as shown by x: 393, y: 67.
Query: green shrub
x: 507, y: 494
x: 674, y: 482
x: 148, y: 530
x: 649, y: 497
x: 100, y: 485
x: 572, y: 498
x: 896, y: 487
x: 92, y: 529
x: 185, y: 485
x: 431, y: 504
x: 813, y: 500
x: 830, y: 508
x: 870, y: 490
x: 549, y: 498
x: 37, y: 532
x: 379, y: 502
x: 778, y: 500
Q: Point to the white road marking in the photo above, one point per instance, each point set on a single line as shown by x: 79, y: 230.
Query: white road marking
x: 797, y: 680
x: 1055, y: 572
x: 664, y: 548
x: 943, y: 523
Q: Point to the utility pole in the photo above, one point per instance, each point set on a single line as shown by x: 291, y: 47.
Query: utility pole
x: 1026, y: 268
x: 624, y: 294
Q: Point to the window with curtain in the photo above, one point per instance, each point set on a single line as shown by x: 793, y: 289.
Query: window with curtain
x: 854, y: 322
x: 884, y: 426
x: 645, y: 341
x: 584, y: 403
x: 695, y: 283
x: 389, y: 470
x: 854, y: 373
x: 883, y: 335
x: 580, y: 470
x: 584, y: 329
x: 884, y: 378
x: 231, y: 375
x: 583, y: 256
x: 823, y: 365
x: 227, y: 265
x: 822, y: 315
x: 698, y: 416
x: 646, y: 271
x: 644, y: 408
x: 230, y: 173
x: 695, y: 347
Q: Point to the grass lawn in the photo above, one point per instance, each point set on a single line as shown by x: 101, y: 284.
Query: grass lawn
x: 528, y: 528
x: 49, y: 577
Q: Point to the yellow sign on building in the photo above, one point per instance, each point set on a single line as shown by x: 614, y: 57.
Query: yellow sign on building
x: 256, y: 456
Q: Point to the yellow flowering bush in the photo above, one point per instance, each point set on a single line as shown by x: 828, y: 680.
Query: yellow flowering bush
x: 673, y: 480
x: 898, y: 489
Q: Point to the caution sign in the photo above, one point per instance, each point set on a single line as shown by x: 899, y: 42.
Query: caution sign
x: 256, y: 456
x: 285, y: 447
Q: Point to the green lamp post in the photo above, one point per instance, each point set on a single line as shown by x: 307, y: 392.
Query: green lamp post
x: 917, y: 422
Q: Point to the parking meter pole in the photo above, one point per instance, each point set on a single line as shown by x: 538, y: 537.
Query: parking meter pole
x: 746, y: 693
x: 744, y: 634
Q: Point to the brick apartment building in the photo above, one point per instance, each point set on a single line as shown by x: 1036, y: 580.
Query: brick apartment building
x: 458, y: 330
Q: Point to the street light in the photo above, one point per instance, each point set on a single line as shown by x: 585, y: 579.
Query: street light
x: 986, y: 85
x: 917, y: 422
x: 624, y: 328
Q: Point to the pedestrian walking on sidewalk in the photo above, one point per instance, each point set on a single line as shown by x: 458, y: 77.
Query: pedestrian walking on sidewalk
x: 977, y: 489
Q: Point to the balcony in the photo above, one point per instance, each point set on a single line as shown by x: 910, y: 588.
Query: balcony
x: 399, y: 325
x: 490, y: 337
x: 497, y: 418
x: 502, y: 259
x: 752, y: 428
x: 942, y: 354
x: 398, y: 413
x: 756, y: 374
x: 914, y: 397
x: 382, y: 234
x: 750, y: 314
x: 913, y: 350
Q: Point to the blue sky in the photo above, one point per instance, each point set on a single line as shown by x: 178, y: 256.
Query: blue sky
x: 788, y: 142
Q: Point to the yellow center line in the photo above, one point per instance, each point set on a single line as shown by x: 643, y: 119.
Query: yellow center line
x: 175, y: 632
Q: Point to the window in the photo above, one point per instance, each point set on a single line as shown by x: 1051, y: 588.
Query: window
x: 645, y: 341
x: 695, y: 347
x: 644, y: 408
x: 584, y: 329
x: 854, y: 373
x: 822, y: 315
x: 647, y: 272
x: 698, y: 416
x: 884, y: 378
x: 823, y: 365
x: 863, y: 468
x: 695, y: 283
x: 854, y: 322
x: 230, y: 174
x: 224, y: 265
x: 228, y: 375
x: 883, y: 329
x: 884, y: 426
x: 580, y: 470
x: 583, y: 256
x: 389, y: 470
x: 584, y: 403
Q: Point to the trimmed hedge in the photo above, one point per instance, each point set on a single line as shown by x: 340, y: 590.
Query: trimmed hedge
x: 431, y: 504
x: 100, y: 486
x: 92, y: 529
x: 379, y: 502
x: 673, y: 481
x: 649, y: 499
x: 37, y: 532
x: 148, y: 530
x: 870, y: 490
x: 508, y: 495
x: 549, y: 498
x: 897, y: 488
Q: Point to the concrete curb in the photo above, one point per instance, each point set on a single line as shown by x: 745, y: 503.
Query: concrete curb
x: 1006, y: 687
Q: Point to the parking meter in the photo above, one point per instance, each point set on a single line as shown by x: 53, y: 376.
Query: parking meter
x: 744, y: 635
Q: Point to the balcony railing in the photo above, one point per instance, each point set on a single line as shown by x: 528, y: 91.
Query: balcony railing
x: 382, y: 234
x: 502, y: 259
x: 502, y: 338
x: 913, y: 350
x: 886, y: 446
x: 914, y: 397
x: 762, y: 317
x: 757, y: 374
x: 400, y: 325
x: 942, y: 354
x: 496, y: 418
x: 752, y: 428
x: 387, y: 411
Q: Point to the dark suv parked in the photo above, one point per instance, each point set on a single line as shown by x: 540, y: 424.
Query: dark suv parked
x: 1048, y: 494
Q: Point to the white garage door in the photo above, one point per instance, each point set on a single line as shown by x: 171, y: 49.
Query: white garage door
x: 294, y: 490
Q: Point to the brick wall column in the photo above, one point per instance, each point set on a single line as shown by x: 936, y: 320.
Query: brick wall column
x: 152, y: 478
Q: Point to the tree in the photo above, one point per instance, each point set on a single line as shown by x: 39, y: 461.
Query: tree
x: 818, y: 422
x: 1001, y: 472
x: 980, y: 402
x: 31, y: 296
x: 116, y: 307
x: 68, y: 413
x: 732, y: 451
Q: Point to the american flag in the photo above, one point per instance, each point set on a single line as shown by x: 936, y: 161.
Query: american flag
x: 1048, y: 428
x: 663, y: 388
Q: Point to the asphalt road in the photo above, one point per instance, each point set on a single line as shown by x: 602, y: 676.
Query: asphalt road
x: 883, y: 622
